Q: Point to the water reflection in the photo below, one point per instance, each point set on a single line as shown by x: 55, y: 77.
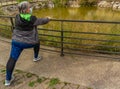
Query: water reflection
x: 73, y: 11
x: 84, y: 13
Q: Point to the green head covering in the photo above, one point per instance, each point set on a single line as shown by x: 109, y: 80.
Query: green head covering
x: 26, y: 16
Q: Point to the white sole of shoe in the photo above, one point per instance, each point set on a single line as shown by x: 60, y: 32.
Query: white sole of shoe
x: 35, y: 60
x: 8, y: 84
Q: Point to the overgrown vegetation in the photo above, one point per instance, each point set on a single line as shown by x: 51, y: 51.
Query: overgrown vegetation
x: 5, y: 28
x: 88, y: 2
x: 81, y: 2
x: 53, y: 82
x: 31, y: 84
x: 63, y: 2
x: 23, y: 0
x: 2, y: 71
x: 59, y: 2
x: 1, y: 12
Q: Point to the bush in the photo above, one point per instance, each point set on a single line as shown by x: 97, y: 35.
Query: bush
x: 88, y: 2
x: 59, y: 2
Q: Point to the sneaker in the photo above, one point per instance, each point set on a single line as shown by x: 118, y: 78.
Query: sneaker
x: 37, y: 59
x: 8, y: 82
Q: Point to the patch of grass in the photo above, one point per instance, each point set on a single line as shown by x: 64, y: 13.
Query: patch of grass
x: 31, y: 84
x: 89, y: 88
x: 2, y: 71
x: 29, y: 75
x: 66, y: 83
x: 39, y: 80
x: 18, y: 71
x: 5, y: 31
x: 1, y: 12
x: 53, y: 82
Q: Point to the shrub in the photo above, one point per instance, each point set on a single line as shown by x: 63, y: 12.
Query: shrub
x: 88, y: 2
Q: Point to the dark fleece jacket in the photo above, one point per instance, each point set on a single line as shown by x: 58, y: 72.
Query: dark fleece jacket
x: 26, y: 31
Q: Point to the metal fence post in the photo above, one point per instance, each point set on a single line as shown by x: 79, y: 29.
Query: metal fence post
x: 62, y: 37
x: 12, y: 23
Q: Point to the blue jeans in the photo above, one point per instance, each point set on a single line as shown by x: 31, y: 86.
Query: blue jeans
x: 16, y: 49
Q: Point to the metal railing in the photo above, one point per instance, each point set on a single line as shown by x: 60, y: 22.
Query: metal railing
x: 74, y: 42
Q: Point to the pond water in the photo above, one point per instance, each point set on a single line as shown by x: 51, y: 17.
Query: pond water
x: 82, y: 13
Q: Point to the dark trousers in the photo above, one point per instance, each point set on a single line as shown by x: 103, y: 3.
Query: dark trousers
x: 16, y: 49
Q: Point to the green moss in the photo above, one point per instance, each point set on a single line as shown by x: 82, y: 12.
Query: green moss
x: 89, y: 88
x: 31, y: 84
x: 53, y: 82
x: 2, y: 71
x: 39, y: 80
x: 18, y: 71
x: 29, y: 75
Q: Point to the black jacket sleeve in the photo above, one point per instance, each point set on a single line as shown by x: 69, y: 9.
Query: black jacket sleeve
x: 41, y: 21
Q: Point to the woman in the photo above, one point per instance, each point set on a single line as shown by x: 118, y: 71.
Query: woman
x: 24, y: 36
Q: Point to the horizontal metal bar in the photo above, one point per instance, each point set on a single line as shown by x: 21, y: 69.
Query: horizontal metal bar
x: 50, y: 41
x: 88, y: 21
x: 117, y: 41
x: 4, y: 29
x: 49, y: 50
x: 91, y: 50
x: 84, y: 21
x: 96, y: 45
x: 107, y: 46
x: 92, y: 33
x: 45, y: 29
x: 50, y: 45
x: 3, y: 16
x: 104, y: 56
x: 5, y: 25
x: 50, y: 35
x: 84, y: 49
